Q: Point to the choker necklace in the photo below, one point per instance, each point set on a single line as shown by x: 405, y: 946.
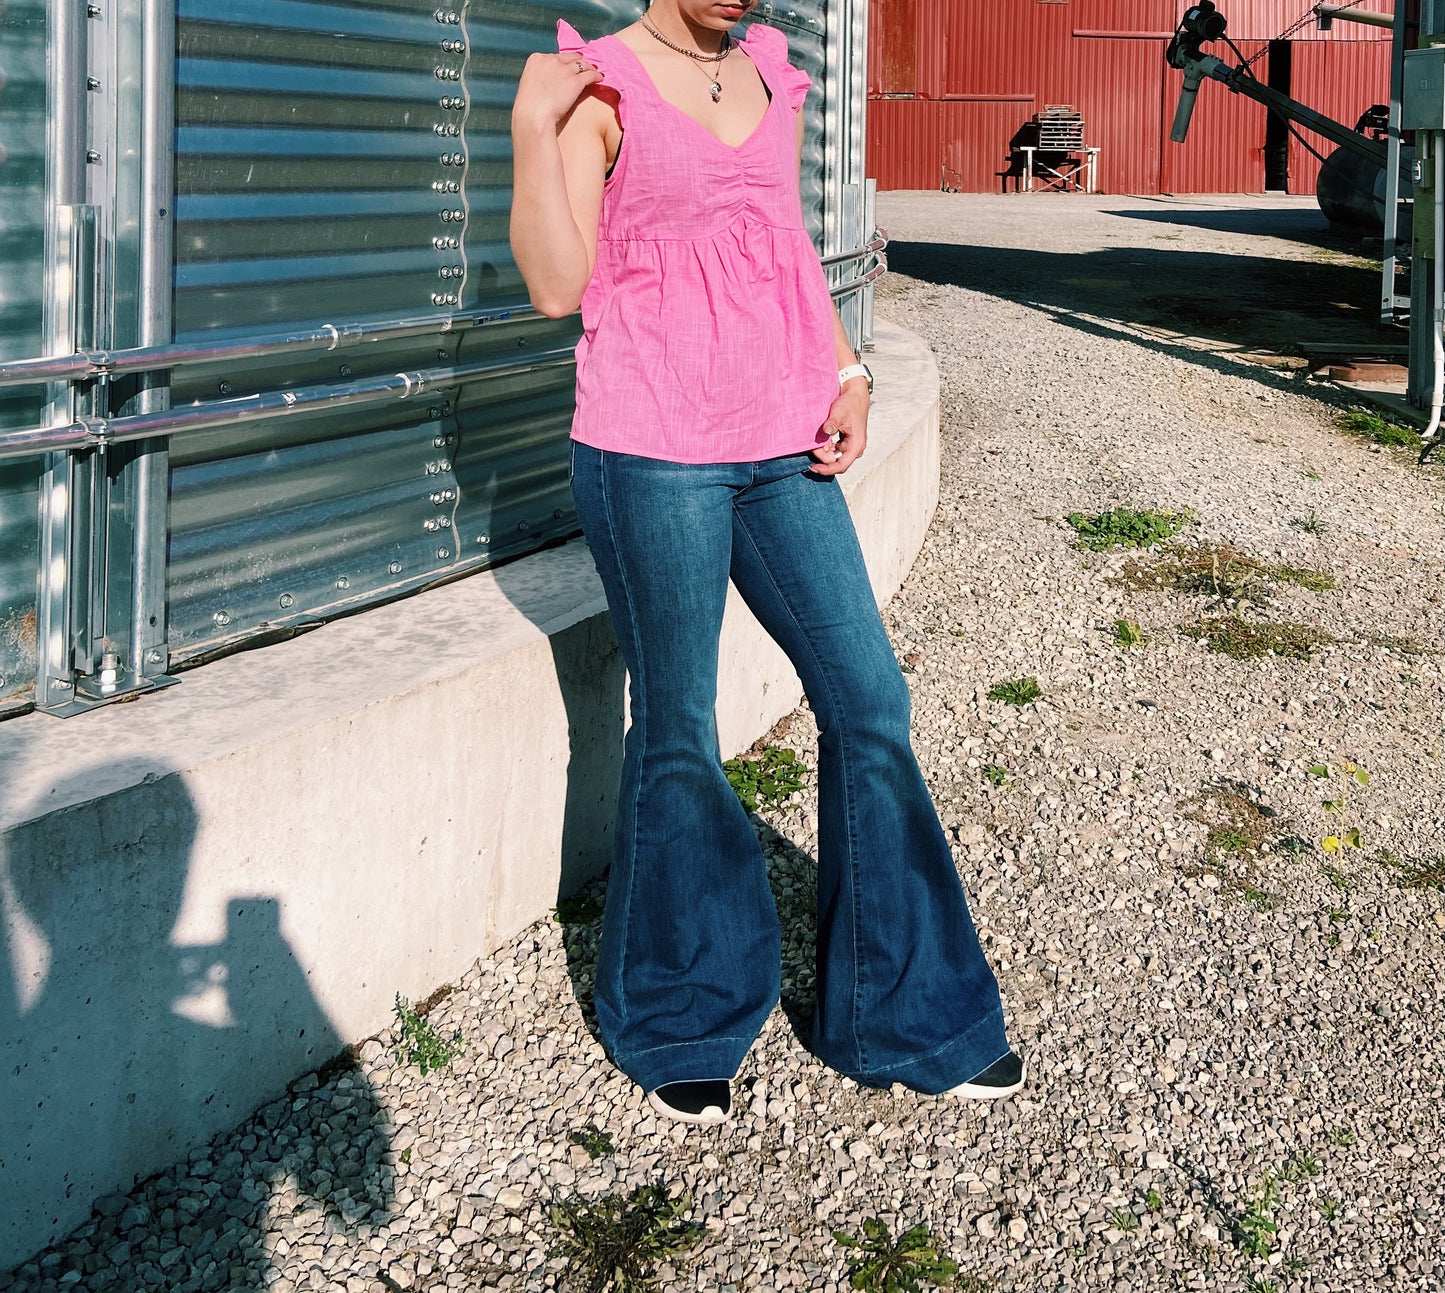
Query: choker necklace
x: 714, y: 85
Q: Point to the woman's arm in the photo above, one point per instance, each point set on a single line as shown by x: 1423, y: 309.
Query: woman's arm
x: 559, y: 150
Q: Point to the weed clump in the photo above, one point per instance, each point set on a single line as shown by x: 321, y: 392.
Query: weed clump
x: 882, y: 1265
x: 596, y: 1142
x: 1019, y: 691
x: 1379, y: 430
x: 995, y: 773
x: 1127, y: 633
x: 1249, y: 640
x: 770, y: 780
x: 418, y: 1041
x: 614, y: 1244
x: 1219, y: 570
x: 1123, y: 527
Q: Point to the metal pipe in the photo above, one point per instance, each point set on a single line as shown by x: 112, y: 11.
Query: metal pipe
x: 1348, y: 13
x: 857, y: 284
x: 1437, y: 303
x: 214, y: 414
x: 88, y: 365
x: 878, y: 243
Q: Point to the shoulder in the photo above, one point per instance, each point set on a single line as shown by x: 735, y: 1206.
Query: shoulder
x: 768, y: 47
x: 767, y: 42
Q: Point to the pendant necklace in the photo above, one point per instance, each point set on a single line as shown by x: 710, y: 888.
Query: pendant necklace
x: 714, y: 85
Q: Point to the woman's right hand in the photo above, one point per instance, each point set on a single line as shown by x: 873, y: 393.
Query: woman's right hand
x: 550, y: 86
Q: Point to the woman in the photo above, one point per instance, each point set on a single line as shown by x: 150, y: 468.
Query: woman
x: 656, y: 186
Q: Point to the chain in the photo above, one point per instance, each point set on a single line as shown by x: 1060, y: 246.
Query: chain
x: 1304, y: 21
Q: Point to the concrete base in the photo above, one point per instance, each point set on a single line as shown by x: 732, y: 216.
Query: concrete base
x: 208, y: 892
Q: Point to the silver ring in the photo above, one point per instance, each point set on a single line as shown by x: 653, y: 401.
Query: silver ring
x: 581, y: 66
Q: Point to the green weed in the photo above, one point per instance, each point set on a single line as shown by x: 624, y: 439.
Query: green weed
x: 1346, y: 835
x: 995, y: 774
x: 1123, y: 527
x: 1303, y: 1167
x: 1127, y: 633
x: 1335, y: 876
x: 1019, y: 691
x: 419, y: 1043
x: 1218, y: 570
x: 1154, y: 1199
x: 1257, y: 1227
x: 1263, y: 1286
x: 1309, y: 522
x: 1342, y: 1137
x: 596, y: 1142
x: 582, y: 909
x: 1422, y: 875
x: 769, y: 780
x: 881, y: 1265
x: 615, y: 1244
x: 1372, y: 426
x: 1328, y: 1209
x: 1124, y: 1220
x: 1250, y: 640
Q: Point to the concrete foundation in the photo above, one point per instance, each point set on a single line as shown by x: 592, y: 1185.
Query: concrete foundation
x: 208, y: 892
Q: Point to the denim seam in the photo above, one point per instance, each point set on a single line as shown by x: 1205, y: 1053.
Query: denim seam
x: 847, y: 781
x: 671, y: 1046
x: 938, y: 1050
x: 626, y: 923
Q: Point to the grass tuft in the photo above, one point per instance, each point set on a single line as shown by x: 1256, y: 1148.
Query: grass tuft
x: 1219, y: 570
x: 1371, y: 426
x: 995, y: 773
x: 1123, y: 527
x: 615, y: 1244
x: 1127, y: 633
x: 596, y: 1142
x: 1249, y: 640
x: 1018, y: 691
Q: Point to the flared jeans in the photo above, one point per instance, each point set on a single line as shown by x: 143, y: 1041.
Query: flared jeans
x: 689, y: 964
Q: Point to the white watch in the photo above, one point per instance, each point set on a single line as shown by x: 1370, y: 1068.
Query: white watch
x: 845, y: 375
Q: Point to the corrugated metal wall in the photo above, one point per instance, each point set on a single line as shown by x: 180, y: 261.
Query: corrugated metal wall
x: 951, y: 82
x: 22, y: 277
x: 1342, y: 79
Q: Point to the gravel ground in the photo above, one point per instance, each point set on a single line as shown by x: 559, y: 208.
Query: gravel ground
x: 1226, y: 1031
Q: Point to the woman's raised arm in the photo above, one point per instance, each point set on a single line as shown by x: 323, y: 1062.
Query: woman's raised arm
x: 559, y: 165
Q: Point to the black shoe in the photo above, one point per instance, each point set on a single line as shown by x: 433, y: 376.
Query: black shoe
x: 1003, y: 1077
x: 703, y: 1104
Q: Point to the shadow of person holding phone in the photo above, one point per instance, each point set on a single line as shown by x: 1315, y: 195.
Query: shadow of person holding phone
x: 122, y: 1051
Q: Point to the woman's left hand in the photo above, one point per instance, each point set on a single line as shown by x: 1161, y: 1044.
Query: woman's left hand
x: 848, y: 420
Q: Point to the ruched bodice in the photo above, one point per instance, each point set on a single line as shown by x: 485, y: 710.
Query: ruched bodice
x: 707, y: 325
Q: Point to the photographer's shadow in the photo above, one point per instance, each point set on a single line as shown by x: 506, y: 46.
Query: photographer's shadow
x: 119, y: 1039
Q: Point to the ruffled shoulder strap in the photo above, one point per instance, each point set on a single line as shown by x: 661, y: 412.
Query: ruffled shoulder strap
x: 768, y: 47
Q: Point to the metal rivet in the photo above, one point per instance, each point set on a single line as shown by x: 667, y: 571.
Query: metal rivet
x: 447, y: 408
x: 484, y: 537
x: 345, y: 370
x: 443, y: 553
x: 434, y: 412
x: 155, y: 657
x: 439, y: 442
x: 444, y: 465
x: 343, y: 583
x: 429, y: 525
x: 92, y: 156
x: 224, y: 388
x: 395, y: 567
x: 558, y: 514
x: 443, y: 356
x: 445, y: 522
x: 286, y: 601
x: 523, y: 525
x: 521, y: 341
x: 221, y: 619
x: 92, y: 10
x: 92, y: 83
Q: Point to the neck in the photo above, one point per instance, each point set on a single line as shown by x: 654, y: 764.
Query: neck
x: 684, y: 31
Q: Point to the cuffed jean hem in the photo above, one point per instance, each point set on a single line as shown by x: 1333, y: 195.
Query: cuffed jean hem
x: 717, y: 1059
x: 965, y: 1057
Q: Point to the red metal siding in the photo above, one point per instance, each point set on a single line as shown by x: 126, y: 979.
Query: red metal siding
x: 1341, y: 80
x: 998, y: 61
x: 1225, y: 149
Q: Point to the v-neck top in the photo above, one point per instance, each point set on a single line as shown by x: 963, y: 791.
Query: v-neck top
x: 707, y: 326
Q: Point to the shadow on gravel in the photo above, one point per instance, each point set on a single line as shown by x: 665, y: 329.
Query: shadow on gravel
x: 122, y: 1047
x: 1304, y: 224
x: 1249, y: 304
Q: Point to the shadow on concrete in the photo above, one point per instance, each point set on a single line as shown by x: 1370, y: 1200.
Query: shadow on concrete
x: 118, y: 1038
x: 1244, y: 304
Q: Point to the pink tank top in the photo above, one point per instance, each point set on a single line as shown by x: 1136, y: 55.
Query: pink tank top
x: 707, y: 328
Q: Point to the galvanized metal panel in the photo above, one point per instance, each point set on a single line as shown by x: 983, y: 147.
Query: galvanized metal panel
x: 804, y: 22
x: 1225, y: 149
x: 22, y: 278
x: 1340, y: 79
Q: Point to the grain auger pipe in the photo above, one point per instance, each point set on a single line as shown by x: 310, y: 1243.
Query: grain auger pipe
x: 1203, y: 23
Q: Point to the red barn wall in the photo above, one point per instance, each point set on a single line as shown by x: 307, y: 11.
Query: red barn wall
x: 951, y: 81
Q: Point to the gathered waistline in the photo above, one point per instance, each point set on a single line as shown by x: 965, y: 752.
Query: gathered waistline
x: 705, y: 237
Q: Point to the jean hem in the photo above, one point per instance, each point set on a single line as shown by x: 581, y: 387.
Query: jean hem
x: 715, y: 1059
x: 958, y: 1060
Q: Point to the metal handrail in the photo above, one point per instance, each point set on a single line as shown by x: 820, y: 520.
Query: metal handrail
x: 98, y: 432
x: 877, y: 243
x: 87, y: 365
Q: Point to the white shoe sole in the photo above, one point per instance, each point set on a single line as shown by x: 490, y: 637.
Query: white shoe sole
x: 711, y: 1116
x: 968, y: 1091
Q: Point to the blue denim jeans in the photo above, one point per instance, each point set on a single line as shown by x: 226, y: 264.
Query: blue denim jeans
x: 689, y: 963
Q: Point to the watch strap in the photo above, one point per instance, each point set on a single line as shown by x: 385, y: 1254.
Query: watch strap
x: 846, y: 375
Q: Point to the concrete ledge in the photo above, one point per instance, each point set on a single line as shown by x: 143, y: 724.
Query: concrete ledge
x: 208, y: 892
